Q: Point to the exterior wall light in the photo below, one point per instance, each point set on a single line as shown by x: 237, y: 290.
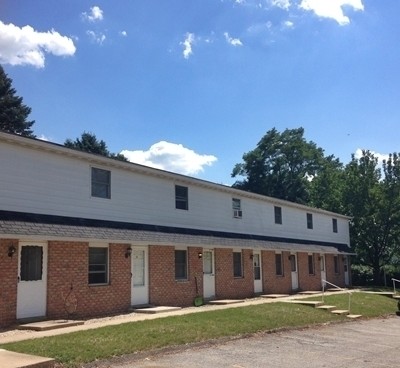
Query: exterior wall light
x: 128, y: 252
x: 200, y: 255
x: 11, y: 250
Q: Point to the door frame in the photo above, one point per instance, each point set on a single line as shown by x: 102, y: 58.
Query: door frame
x: 209, y: 278
x: 32, y: 295
x: 346, y: 270
x: 294, y: 272
x: 258, y: 284
x: 140, y: 293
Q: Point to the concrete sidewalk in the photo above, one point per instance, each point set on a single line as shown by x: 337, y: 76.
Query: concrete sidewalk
x: 15, y: 360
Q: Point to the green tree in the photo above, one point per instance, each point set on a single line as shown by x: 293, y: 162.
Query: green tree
x: 13, y: 113
x: 373, y: 202
x: 281, y: 166
x: 89, y: 143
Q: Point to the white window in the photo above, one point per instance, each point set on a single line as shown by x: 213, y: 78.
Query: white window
x: 101, y: 183
x: 237, y: 208
x: 181, y: 197
x: 181, y: 264
x: 278, y: 215
x: 334, y: 225
x: 237, y: 264
x: 278, y: 264
x: 309, y: 221
x: 98, y: 265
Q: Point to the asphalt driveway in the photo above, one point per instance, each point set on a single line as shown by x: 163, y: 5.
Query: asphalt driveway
x: 359, y: 344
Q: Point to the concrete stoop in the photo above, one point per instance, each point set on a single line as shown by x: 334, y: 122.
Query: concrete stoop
x: 155, y: 310
x: 49, y: 325
x: 10, y: 359
x: 225, y: 301
x: 274, y: 296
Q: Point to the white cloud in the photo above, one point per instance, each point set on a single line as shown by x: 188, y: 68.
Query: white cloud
x: 26, y: 46
x: 332, y: 8
x: 171, y: 157
x: 96, y: 37
x: 380, y: 156
x: 187, y: 45
x: 288, y: 24
x: 283, y: 4
x: 232, y: 41
x: 123, y: 33
x: 95, y: 14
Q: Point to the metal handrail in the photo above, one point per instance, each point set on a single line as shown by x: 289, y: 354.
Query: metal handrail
x: 394, y: 285
x: 324, y: 282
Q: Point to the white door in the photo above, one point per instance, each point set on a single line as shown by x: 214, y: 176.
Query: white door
x: 323, y: 269
x: 32, y: 280
x: 293, y: 267
x: 258, y: 287
x: 140, y: 278
x: 208, y: 274
x: 346, y: 271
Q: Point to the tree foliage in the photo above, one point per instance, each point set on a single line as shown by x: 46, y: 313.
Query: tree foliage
x: 13, y: 113
x: 89, y: 143
x: 280, y: 166
x: 372, y: 199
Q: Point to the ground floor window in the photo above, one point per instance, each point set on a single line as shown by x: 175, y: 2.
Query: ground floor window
x: 278, y: 264
x: 98, y: 265
x: 180, y: 264
x: 237, y: 264
x: 336, y: 264
x: 311, y: 268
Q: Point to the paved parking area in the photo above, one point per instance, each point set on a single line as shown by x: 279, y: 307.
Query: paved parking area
x: 360, y: 344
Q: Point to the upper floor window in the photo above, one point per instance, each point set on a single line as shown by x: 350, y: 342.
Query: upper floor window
x: 98, y: 265
x: 278, y: 215
x: 101, y: 183
x: 309, y: 221
x: 237, y: 208
x: 181, y: 197
x: 334, y: 225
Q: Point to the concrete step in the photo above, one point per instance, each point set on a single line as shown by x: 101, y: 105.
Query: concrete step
x: 50, y: 325
x: 10, y: 359
x: 397, y: 297
x: 354, y: 316
x: 311, y: 303
x: 226, y: 301
x: 155, y: 310
x: 340, y: 311
x: 274, y: 296
x: 309, y: 292
x: 326, y: 307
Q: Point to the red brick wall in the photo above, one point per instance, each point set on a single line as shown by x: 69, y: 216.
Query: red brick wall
x: 8, y: 282
x: 307, y: 281
x: 68, y: 282
x: 331, y: 276
x: 273, y: 283
x: 226, y: 286
x: 164, y: 289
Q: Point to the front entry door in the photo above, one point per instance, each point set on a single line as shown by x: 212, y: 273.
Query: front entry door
x: 140, y: 279
x: 293, y: 267
x: 32, y: 280
x: 346, y: 271
x: 208, y: 274
x: 323, y: 270
x: 258, y: 287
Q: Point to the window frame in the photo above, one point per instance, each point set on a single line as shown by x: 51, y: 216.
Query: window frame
x: 237, y: 263
x: 237, y: 208
x: 181, y: 199
x: 278, y: 215
x: 311, y: 264
x: 178, y: 265
x: 336, y: 264
x: 106, y: 186
x: 106, y: 272
x: 279, y: 270
x: 310, y: 222
x: 334, y: 225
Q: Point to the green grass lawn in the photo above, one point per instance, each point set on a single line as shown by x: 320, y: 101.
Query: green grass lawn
x: 77, y: 348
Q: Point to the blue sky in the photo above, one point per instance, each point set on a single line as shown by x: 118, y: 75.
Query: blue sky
x: 191, y: 85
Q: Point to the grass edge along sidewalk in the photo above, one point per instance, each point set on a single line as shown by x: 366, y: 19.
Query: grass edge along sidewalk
x: 77, y: 348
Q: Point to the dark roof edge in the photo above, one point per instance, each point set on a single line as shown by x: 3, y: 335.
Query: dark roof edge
x: 95, y: 223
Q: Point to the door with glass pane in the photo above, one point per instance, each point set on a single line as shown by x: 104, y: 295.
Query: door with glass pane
x: 32, y: 280
x: 346, y: 271
x: 140, y: 284
x: 295, y: 276
x: 258, y: 288
x: 208, y: 274
x: 323, y: 269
